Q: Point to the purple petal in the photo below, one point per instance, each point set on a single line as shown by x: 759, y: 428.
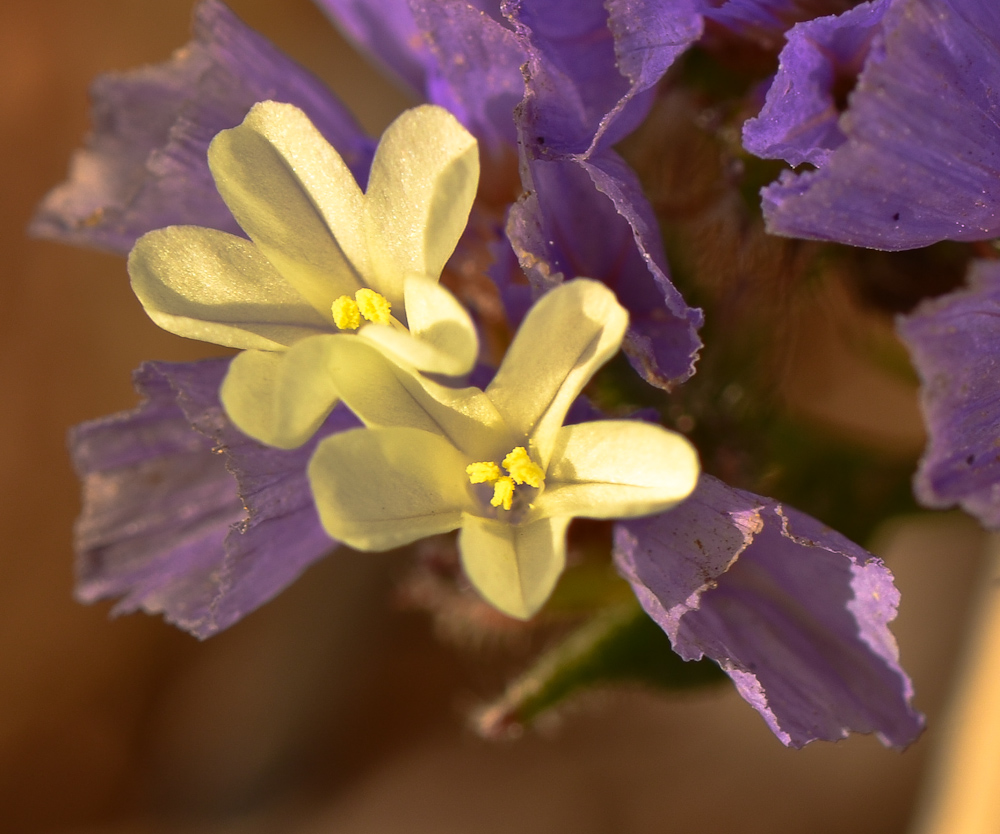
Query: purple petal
x: 799, y: 122
x: 922, y: 158
x: 591, y: 65
x: 767, y: 20
x: 588, y: 217
x: 954, y: 343
x: 144, y: 165
x: 583, y: 211
x: 387, y: 32
x: 795, y: 614
x: 182, y: 514
x: 476, y: 71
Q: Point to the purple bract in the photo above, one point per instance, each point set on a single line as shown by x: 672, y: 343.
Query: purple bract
x: 795, y: 614
x: 184, y: 515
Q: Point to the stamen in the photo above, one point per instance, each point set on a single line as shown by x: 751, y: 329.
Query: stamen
x: 346, y: 314
x: 373, y: 306
x: 523, y: 469
x: 483, y: 472
x: 503, y: 493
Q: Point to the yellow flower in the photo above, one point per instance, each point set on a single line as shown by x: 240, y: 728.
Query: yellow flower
x: 323, y: 259
x: 433, y: 458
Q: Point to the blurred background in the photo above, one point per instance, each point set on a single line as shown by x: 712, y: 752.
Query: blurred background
x: 331, y: 709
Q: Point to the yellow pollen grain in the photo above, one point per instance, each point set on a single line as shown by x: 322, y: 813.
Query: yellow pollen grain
x: 373, y: 306
x: 503, y: 493
x: 346, y: 314
x: 523, y: 469
x: 481, y: 473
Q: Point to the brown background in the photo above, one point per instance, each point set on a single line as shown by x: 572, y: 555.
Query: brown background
x: 327, y: 710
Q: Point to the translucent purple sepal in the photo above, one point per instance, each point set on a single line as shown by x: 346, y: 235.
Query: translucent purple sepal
x: 767, y: 20
x: 182, y: 514
x: 921, y: 159
x: 800, y: 119
x: 795, y: 614
x: 590, y: 72
x: 144, y: 165
x: 954, y: 343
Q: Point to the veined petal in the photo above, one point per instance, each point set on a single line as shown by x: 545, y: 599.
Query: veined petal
x: 514, y: 567
x: 441, y: 338
x: 293, y: 195
x: 281, y: 397
x: 420, y: 192
x: 567, y: 335
x: 216, y: 287
x: 383, y: 488
x: 383, y: 394
x: 616, y: 469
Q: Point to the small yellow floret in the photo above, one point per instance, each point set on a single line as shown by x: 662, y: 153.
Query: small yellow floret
x: 523, y: 469
x: 481, y: 473
x: 373, y: 306
x: 503, y: 493
x: 346, y: 314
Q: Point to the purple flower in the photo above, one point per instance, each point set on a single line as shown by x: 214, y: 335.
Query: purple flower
x: 954, y: 342
x: 915, y: 158
x: 184, y: 515
x: 795, y: 614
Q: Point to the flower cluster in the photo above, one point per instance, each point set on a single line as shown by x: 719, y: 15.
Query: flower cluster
x: 373, y: 403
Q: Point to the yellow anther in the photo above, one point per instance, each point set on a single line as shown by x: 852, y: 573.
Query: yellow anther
x: 373, y: 306
x: 503, y: 493
x: 523, y: 469
x: 481, y: 473
x: 346, y: 314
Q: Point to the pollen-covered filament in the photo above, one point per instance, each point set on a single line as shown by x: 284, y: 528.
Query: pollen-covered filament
x: 347, y: 311
x: 521, y: 469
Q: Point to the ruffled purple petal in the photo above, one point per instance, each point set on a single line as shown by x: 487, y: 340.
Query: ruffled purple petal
x: 476, y: 68
x: 145, y: 166
x: 795, y: 614
x: 767, y: 20
x: 954, y: 343
x: 922, y: 158
x: 185, y: 516
x: 589, y: 70
x: 386, y: 31
x: 799, y: 121
x: 588, y: 217
x: 591, y: 66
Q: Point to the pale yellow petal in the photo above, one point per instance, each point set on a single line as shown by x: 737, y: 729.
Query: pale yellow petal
x: 293, y: 195
x: 376, y: 489
x: 382, y: 393
x: 281, y: 398
x: 212, y: 286
x: 420, y: 191
x: 616, y: 469
x: 567, y: 335
x: 514, y: 567
x: 441, y: 338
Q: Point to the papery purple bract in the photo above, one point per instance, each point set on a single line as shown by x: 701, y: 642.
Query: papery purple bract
x: 387, y: 32
x: 954, y: 343
x: 145, y: 165
x: 767, y: 20
x: 795, y: 614
x: 588, y: 79
x: 476, y: 69
x: 800, y: 119
x: 921, y: 160
x: 182, y: 514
